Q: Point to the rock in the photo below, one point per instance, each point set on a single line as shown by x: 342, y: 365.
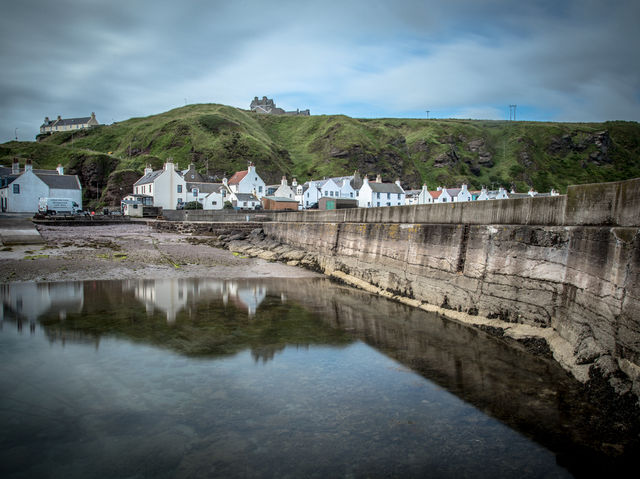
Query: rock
x: 587, y: 351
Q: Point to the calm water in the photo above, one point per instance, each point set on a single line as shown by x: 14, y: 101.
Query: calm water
x: 211, y: 378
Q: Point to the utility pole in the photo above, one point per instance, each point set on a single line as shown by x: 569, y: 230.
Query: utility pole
x: 428, y: 114
x: 16, y: 133
x: 512, y: 112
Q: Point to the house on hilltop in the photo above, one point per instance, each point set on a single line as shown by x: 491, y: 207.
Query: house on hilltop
x: 22, y: 190
x: 68, y: 124
x: 268, y: 107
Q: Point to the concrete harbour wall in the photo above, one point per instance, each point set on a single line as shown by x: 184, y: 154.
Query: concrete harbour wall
x: 570, y: 264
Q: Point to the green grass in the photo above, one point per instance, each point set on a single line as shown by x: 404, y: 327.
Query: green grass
x: 222, y: 139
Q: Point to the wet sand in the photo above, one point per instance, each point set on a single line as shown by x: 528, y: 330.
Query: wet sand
x: 128, y: 251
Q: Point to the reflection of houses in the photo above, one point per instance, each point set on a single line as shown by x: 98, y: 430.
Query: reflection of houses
x: 247, y: 296
x: 173, y: 296
x: 30, y: 301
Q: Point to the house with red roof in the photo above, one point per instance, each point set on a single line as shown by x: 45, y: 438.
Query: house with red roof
x: 247, y: 182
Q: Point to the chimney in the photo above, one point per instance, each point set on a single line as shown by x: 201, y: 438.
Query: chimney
x: 424, y: 187
x: 46, y: 120
x: 464, y: 188
x: 398, y: 183
x: 148, y: 170
x: 93, y: 115
x: 60, y: 169
x: 284, y: 181
x: 294, y: 182
x: 439, y: 188
x: 59, y: 118
x: 378, y: 178
x: 365, y: 180
x: 28, y: 166
x: 15, y: 167
x: 169, y: 166
x: 224, y: 181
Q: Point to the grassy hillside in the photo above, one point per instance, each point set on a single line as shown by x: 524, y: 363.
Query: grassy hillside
x: 221, y: 139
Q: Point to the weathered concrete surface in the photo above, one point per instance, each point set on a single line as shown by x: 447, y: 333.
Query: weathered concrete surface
x: 15, y: 230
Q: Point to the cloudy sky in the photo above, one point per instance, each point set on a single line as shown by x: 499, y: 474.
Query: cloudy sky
x: 557, y: 60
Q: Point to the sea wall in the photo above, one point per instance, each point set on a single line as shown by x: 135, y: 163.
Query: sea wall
x: 567, y: 264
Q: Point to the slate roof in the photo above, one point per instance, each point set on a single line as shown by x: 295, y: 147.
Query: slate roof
x: 148, y: 178
x: 245, y: 197
x: 385, y: 187
x: 60, y: 182
x: 205, y: 187
x: 67, y: 121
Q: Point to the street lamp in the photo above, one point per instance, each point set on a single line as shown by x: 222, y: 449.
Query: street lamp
x: 16, y: 133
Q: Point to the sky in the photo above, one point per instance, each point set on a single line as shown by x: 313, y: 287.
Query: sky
x: 558, y: 60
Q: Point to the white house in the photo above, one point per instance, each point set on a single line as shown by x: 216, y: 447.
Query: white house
x: 210, y: 195
x: 167, y: 187
x: 500, y: 194
x: 374, y: 194
x: 284, y: 190
x: 311, y: 194
x: 22, y: 190
x: 247, y: 181
x: 329, y: 188
x: 244, y: 201
x: 298, y: 192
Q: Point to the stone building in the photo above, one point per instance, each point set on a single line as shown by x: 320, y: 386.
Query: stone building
x: 268, y: 107
x: 68, y: 124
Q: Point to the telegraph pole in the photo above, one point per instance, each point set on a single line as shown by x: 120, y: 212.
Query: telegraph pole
x: 428, y: 114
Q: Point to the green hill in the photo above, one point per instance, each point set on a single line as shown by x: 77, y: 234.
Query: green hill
x: 221, y: 139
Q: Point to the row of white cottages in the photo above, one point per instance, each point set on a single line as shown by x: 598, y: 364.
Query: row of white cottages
x: 170, y: 188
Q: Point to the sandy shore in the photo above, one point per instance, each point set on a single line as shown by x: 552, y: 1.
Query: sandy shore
x: 129, y: 251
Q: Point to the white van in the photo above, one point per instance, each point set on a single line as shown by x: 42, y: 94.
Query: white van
x: 58, y: 206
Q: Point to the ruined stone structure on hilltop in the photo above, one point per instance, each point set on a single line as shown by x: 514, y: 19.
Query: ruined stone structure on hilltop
x: 268, y: 106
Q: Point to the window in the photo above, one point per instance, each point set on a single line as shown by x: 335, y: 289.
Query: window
x: 388, y: 203
x: 378, y: 196
x: 179, y: 188
x: 16, y: 189
x: 259, y: 188
x: 388, y: 196
x: 351, y: 194
x: 214, y: 203
x: 244, y: 203
x: 150, y: 186
x: 444, y: 200
x: 195, y: 192
x: 378, y: 204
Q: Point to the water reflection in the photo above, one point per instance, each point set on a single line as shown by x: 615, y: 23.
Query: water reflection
x: 308, y: 338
